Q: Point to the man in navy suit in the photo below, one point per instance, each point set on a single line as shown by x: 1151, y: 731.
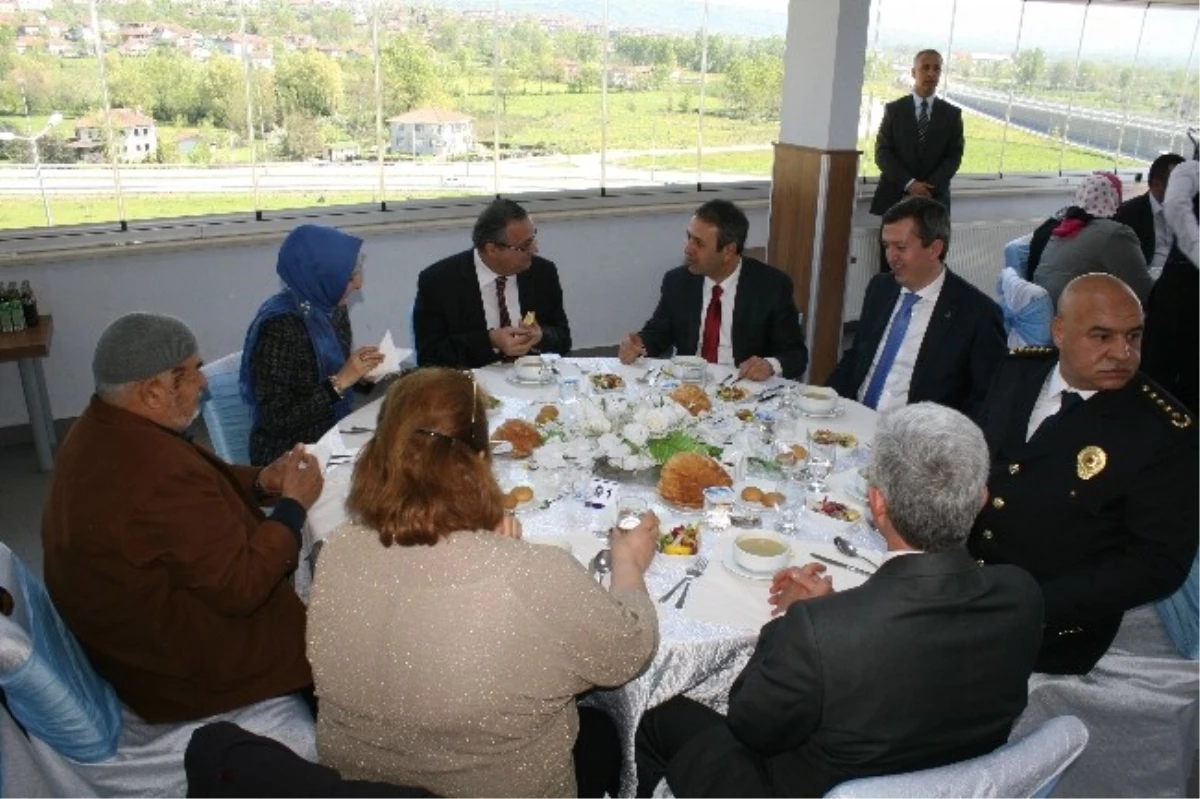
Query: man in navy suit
x: 924, y: 333
x: 496, y: 301
x: 920, y: 142
x: 1145, y: 214
x: 724, y: 306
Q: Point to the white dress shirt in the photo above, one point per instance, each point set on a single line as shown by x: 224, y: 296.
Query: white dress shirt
x: 487, y: 292
x: 1177, y: 207
x: 896, y: 385
x: 1163, y: 238
x: 1049, y: 400
x: 729, y: 287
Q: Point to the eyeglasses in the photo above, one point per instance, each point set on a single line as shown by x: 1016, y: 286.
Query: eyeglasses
x: 524, y: 246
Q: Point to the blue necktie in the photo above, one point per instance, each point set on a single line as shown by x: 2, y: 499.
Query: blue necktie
x: 890, y: 348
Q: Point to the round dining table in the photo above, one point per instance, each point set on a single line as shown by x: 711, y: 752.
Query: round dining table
x: 705, y: 643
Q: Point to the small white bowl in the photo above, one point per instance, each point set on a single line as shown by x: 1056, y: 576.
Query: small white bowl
x: 530, y: 368
x: 759, y: 561
x: 817, y: 399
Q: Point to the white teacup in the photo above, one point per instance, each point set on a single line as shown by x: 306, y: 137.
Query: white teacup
x: 689, y: 368
x: 530, y: 368
x: 817, y: 399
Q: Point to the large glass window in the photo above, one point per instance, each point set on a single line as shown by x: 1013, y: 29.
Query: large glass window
x: 126, y: 111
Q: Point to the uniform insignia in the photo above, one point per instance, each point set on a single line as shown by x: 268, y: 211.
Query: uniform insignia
x: 1166, y: 405
x: 1032, y: 352
x: 1090, y: 462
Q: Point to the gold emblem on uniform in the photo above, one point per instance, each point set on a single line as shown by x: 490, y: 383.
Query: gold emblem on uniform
x: 1090, y: 462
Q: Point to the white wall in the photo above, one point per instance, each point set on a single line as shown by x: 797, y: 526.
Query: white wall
x: 610, y: 268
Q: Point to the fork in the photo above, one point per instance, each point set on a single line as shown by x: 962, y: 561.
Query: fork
x: 693, y: 571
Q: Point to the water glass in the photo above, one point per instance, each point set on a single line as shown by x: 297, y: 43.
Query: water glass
x: 630, y: 511
x: 821, y: 459
x: 568, y: 388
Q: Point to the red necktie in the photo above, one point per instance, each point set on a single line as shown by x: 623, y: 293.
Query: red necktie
x: 712, y: 327
x: 505, y: 319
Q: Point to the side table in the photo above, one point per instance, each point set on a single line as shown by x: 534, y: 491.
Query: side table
x: 28, y: 348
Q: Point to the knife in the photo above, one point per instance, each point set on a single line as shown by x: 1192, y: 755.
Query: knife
x: 833, y: 562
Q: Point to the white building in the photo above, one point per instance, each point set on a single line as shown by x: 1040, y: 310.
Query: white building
x: 134, y: 133
x: 431, y: 131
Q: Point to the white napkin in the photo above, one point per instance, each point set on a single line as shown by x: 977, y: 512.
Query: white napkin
x: 392, y: 358
x: 330, y: 444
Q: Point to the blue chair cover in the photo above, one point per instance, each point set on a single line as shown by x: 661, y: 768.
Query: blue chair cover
x: 56, y: 694
x: 225, y: 412
x: 1016, y: 255
x: 1180, y: 614
x: 1026, y: 308
x: 1028, y: 766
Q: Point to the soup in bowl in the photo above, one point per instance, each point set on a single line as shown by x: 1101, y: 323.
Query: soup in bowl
x: 761, y: 551
x: 817, y: 399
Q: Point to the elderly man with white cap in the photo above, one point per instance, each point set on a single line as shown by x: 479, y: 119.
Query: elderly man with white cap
x: 156, y: 552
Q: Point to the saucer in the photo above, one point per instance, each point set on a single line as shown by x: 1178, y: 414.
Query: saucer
x: 516, y: 380
x: 838, y: 410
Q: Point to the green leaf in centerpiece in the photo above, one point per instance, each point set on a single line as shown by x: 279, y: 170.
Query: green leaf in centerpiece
x: 661, y: 449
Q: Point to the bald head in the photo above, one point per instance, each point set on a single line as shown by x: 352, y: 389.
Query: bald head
x: 1098, y: 331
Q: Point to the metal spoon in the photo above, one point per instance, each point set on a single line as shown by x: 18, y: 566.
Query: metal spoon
x: 851, y: 551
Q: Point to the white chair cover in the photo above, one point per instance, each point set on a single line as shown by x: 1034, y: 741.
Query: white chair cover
x: 1025, y: 766
x: 1140, y: 707
x: 1026, y: 308
x: 226, y: 415
x: 149, y: 757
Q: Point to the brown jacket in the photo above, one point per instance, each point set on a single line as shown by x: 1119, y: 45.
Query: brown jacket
x: 161, y: 563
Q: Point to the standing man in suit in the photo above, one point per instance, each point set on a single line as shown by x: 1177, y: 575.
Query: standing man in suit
x: 499, y: 300
x: 726, y: 307
x: 920, y: 142
x: 924, y: 664
x: 1145, y: 214
x: 1094, y: 474
x: 924, y: 333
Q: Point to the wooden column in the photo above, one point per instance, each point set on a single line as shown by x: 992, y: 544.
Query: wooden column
x: 796, y: 216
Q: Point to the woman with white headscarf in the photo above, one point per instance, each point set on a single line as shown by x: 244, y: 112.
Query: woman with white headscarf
x: 1088, y: 240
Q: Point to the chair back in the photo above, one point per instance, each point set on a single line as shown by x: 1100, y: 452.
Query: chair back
x: 1180, y: 614
x: 1016, y: 255
x: 50, y: 685
x: 1028, y: 766
x: 225, y: 413
x: 1027, y: 310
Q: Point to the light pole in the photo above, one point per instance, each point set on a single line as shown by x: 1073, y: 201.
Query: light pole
x: 6, y: 135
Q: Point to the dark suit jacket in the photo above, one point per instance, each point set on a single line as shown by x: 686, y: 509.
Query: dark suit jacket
x: 961, y: 349
x: 1098, y: 543
x: 448, y: 320
x: 925, y: 664
x: 900, y: 159
x: 1138, y: 215
x: 765, y: 320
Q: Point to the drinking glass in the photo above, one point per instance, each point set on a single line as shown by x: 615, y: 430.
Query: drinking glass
x: 568, y: 389
x: 821, y: 459
x: 629, y: 512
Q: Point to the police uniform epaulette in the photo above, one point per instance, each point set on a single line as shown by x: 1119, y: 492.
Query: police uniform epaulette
x: 1174, y: 412
x: 1032, y: 352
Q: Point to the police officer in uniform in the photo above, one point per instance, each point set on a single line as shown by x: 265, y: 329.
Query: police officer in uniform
x: 1094, y: 474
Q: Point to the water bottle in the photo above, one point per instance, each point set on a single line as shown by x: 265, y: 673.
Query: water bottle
x: 14, y: 308
x: 29, y: 305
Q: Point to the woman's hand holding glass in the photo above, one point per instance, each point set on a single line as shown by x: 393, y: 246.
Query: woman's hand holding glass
x: 356, y: 367
x: 632, y: 552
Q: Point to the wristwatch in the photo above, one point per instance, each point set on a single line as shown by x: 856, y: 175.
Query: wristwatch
x: 333, y: 384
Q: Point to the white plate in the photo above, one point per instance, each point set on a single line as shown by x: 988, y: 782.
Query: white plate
x: 811, y: 509
x: 729, y: 563
x: 600, y: 390
x: 516, y: 380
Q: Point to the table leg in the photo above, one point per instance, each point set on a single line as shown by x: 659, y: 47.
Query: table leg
x: 39, y: 414
x: 45, y: 395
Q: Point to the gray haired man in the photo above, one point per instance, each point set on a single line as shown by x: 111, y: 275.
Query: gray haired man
x: 156, y: 552
x: 925, y: 664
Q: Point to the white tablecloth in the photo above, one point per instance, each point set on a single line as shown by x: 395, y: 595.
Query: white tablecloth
x: 703, y: 646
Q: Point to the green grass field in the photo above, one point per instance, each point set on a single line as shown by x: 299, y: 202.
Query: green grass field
x: 1024, y: 152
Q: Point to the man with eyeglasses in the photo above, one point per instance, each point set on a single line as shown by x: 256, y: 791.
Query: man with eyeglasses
x: 496, y: 301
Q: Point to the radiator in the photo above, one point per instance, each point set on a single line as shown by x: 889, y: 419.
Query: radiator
x: 976, y: 255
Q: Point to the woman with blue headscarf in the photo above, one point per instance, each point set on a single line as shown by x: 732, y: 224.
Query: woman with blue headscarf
x: 296, y: 364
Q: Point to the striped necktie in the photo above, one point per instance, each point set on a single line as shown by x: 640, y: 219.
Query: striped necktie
x: 923, y: 122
